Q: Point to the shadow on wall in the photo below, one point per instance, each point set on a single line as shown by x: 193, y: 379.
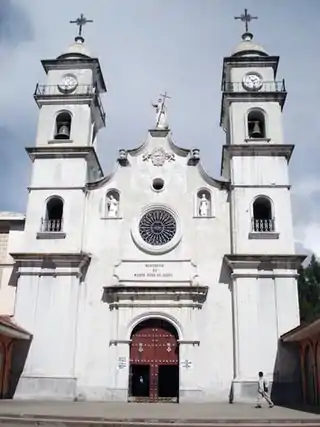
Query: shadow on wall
x: 19, y: 356
x: 286, y: 387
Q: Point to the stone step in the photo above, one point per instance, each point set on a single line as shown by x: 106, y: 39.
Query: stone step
x: 63, y: 421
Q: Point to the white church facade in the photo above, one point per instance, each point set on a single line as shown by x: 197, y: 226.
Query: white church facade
x: 156, y: 282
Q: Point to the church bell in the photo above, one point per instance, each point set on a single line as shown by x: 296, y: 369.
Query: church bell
x: 256, y: 131
x: 63, y: 132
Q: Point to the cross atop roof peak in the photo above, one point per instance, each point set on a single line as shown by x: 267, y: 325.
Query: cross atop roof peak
x: 246, y: 18
x: 80, y: 22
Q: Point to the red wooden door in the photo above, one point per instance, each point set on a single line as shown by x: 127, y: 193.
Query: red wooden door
x: 154, y: 343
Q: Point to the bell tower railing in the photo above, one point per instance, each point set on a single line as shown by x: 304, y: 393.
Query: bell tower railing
x: 272, y: 86
x: 51, y: 225
x: 46, y: 92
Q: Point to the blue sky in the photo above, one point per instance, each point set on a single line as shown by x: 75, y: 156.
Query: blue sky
x: 149, y: 46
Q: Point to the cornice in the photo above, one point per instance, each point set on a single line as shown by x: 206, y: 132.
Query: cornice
x: 51, y: 264
x: 49, y: 152
x: 57, y: 257
x: 80, y: 62
x: 284, y: 150
x: 264, y: 262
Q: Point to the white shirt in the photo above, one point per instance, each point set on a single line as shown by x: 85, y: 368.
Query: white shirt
x: 262, y: 383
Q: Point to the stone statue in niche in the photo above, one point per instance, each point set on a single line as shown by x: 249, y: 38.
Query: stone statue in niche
x: 204, y: 206
x: 113, y: 206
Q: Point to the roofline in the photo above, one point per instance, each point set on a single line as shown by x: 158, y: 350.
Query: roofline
x: 183, y: 152
x: 20, y: 218
x: 299, y: 332
x: 49, y: 64
x: 257, y: 52
x: 241, y: 61
x: 9, y: 328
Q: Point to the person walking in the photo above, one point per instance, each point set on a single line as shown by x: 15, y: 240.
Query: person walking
x: 263, y: 391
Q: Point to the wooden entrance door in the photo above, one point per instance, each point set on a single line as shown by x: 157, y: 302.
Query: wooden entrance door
x: 154, y: 362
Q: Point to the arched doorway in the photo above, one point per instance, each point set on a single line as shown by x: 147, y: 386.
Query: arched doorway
x: 154, y: 362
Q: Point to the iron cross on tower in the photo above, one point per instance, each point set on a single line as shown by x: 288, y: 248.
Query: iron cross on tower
x: 246, y: 18
x: 80, y: 22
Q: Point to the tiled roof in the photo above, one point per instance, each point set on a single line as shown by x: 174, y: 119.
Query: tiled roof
x: 11, y: 328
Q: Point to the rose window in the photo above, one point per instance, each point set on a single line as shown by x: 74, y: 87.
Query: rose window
x: 157, y: 227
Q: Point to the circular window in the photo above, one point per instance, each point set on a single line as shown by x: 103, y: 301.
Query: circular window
x: 157, y: 184
x: 157, y: 227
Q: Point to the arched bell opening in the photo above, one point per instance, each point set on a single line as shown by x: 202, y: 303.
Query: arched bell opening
x: 154, y: 362
x: 63, y: 125
x: 256, y: 124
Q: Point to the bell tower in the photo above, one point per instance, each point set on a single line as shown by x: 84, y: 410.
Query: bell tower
x: 262, y: 255
x: 255, y: 157
x: 71, y: 111
x: 64, y: 156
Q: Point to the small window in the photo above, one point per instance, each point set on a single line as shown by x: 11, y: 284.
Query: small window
x: 63, y: 126
x: 112, y: 204
x: 203, y: 203
x: 262, y: 220
x: 256, y: 125
x: 158, y: 184
x: 54, y: 215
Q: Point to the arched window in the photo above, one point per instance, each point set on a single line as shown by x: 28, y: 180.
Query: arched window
x: 256, y: 124
x: 54, y: 215
x: 262, y: 220
x: 63, y: 125
x: 112, y: 204
x: 203, y: 203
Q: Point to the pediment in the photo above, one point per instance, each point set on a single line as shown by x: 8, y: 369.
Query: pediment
x: 159, y: 150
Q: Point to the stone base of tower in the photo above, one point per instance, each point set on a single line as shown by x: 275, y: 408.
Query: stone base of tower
x: 45, y: 388
x: 245, y: 391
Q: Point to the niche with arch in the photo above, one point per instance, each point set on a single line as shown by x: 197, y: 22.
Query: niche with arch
x: 52, y: 221
x: 256, y: 124
x: 262, y: 220
x: 112, y: 204
x: 63, y: 126
x: 203, y: 204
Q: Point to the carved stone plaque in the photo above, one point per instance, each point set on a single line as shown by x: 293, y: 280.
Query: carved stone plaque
x: 159, y: 271
x: 158, y: 156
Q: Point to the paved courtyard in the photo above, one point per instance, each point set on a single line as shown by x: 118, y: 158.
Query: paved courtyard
x: 152, y: 413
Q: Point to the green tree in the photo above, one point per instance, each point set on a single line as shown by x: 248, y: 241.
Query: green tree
x: 309, y: 291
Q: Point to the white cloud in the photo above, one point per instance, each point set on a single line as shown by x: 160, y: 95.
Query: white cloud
x: 309, y: 235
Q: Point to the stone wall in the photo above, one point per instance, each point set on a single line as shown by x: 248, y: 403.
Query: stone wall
x: 4, y: 238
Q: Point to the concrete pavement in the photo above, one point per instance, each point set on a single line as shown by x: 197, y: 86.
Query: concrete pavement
x: 30, y: 413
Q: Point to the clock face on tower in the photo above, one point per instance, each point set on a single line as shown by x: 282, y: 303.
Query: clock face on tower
x: 68, y: 83
x: 252, y: 81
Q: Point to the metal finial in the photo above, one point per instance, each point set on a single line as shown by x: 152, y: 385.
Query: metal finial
x: 80, y: 22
